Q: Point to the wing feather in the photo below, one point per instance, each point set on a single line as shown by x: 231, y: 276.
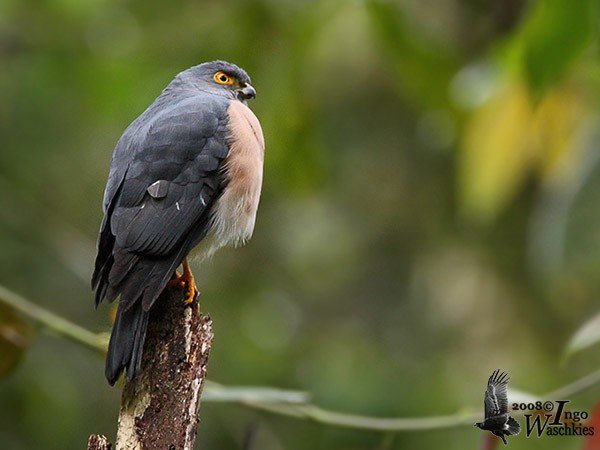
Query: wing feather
x: 181, y: 142
x: 496, y: 395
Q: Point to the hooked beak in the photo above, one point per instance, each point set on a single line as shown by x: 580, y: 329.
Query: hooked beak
x: 247, y: 92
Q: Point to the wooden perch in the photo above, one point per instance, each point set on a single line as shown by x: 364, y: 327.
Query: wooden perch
x: 160, y: 407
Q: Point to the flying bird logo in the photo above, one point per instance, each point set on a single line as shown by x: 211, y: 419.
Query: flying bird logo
x: 495, y: 402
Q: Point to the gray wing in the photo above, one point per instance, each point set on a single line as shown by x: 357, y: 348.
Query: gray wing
x: 496, y: 395
x: 164, y: 177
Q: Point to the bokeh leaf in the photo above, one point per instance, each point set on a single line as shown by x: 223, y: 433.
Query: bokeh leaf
x: 586, y: 336
x: 495, y: 154
x: 13, y: 340
x: 411, y: 58
x: 556, y: 32
x: 511, y: 137
x: 556, y: 124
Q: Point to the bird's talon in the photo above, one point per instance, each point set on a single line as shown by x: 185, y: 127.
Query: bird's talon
x: 187, y: 283
x: 176, y: 276
x: 190, y: 296
x: 190, y: 293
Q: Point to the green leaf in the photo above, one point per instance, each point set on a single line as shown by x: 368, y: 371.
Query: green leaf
x: 556, y: 32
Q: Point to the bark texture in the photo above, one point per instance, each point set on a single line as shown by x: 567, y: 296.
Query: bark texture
x: 98, y: 442
x: 160, y: 407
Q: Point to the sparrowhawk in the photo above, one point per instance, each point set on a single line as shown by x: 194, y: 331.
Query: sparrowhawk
x: 185, y: 175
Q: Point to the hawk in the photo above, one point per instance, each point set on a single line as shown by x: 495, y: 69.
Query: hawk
x: 495, y: 402
x: 185, y: 176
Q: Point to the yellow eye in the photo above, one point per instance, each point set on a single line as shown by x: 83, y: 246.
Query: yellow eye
x: 222, y: 78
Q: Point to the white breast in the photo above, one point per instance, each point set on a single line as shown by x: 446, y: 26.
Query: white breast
x: 234, y: 213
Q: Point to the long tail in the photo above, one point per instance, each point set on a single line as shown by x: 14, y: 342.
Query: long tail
x: 513, y: 426
x: 126, y: 343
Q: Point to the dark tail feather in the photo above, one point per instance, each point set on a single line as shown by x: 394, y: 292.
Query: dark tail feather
x: 513, y: 426
x: 126, y: 343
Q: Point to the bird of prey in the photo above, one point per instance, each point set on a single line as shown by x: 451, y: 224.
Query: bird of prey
x: 185, y: 175
x: 495, y: 402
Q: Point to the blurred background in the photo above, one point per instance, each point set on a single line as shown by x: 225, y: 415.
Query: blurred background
x: 430, y: 209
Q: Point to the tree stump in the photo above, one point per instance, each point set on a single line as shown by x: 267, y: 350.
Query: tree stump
x: 160, y: 407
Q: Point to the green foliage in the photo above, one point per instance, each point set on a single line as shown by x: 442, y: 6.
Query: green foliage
x: 554, y: 35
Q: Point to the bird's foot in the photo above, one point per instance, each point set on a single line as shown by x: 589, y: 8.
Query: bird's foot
x: 187, y: 282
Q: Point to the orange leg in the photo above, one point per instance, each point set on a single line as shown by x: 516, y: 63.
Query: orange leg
x: 187, y: 282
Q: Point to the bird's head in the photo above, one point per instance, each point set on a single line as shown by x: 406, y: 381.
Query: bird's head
x: 220, y: 78
x: 478, y: 424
